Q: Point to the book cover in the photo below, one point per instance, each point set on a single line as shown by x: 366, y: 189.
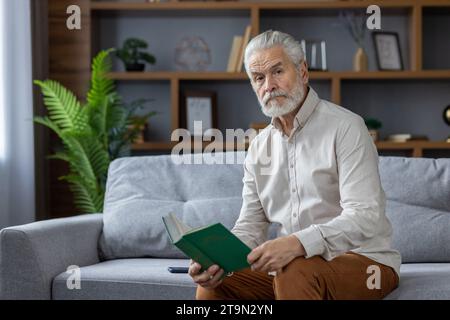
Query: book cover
x: 212, y: 244
x: 234, y: 52
x: 245, y: 40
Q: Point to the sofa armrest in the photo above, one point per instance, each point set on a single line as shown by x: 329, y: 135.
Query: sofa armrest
x: 31, y: 255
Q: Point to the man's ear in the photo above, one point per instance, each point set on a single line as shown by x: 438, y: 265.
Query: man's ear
x: 304, y: 73
x: 305, y: 64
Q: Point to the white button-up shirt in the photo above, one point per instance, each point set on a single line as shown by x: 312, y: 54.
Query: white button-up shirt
x: 321, y: 184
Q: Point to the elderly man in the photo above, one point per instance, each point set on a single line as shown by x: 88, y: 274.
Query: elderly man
x: 321, y: 185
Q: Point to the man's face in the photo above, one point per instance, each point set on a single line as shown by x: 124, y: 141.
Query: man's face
x: 277, y: 83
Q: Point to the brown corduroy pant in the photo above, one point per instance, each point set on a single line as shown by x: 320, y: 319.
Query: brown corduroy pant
x: 349, y: 276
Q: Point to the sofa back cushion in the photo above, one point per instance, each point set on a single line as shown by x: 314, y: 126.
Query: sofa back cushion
x: 140, y: 190
x: 418, y: 206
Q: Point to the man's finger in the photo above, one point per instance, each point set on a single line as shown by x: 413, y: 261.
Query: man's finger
x: 194, y: 269
x: 206, y: 275
x: 259, y: 264
x: 254, y: 255
x: 215, y: 280
x: 213, y: 269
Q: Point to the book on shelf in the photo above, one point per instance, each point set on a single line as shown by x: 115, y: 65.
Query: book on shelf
x: 403, y: 137
x: 245, y: 40
x: 234, y: 53
x: 208, y: 245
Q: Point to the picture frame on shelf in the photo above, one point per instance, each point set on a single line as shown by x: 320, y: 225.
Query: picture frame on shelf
x: 387, y: 51
x: 199, y: 105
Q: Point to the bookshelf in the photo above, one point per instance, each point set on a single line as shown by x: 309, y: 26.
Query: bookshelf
x: 338, y: 84
x: 424, y: 24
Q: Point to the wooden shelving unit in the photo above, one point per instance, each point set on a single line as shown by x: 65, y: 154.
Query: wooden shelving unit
x: 414, y: 9
x: 315, y: 75
x: 166, y: 146
x: 236, y: 5
x: 415, y: 147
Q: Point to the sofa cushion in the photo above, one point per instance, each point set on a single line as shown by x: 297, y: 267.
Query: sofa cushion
x: 149, y: 279
x: 128, y: 279
x: 418, y: 206
x: 421, y: 182
x: 423, y: 281
x: 420, y: 234
x: 140, y: 190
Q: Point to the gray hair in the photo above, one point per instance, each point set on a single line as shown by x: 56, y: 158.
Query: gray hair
x: 270, y: 39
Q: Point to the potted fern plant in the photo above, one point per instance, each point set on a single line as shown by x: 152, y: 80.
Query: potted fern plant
x: 132, y: 56
x: 93, y: 133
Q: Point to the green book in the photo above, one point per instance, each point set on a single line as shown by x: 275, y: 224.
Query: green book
x: 213, y: 244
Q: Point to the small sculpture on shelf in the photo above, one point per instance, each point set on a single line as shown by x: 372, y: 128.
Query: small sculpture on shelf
x: 373, y: 125
x: 192, y: 54
x: 132, y: 57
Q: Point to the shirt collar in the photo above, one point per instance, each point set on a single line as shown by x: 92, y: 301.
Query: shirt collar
x: 305, y: 111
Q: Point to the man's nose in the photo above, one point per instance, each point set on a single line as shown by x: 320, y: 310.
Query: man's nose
x: 270, y: 85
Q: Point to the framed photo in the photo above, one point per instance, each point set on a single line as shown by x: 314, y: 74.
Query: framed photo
x: 387, y: 49
x: 199, y: 106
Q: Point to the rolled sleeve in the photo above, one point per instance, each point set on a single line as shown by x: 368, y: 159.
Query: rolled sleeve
x: 312, y: 241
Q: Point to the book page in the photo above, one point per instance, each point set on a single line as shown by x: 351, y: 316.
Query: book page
x: 175, y: 227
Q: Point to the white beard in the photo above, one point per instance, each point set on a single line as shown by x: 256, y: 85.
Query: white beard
x: 274, y: 109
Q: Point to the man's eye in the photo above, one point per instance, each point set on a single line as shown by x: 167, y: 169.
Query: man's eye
x: 279, y: 71
x: 258, y: 78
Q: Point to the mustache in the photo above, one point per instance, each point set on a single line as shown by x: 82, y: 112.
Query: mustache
x: 274, y: 94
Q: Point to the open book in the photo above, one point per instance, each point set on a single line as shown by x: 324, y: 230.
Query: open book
x: 213, y: 244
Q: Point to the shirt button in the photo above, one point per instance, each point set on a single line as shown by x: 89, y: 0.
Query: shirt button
x: 295, y: 215
x: 293, y: 190
x: 292, y: 166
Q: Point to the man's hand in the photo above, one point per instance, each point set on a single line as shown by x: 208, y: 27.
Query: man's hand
x: 273, y: 255
x: 208, y: 279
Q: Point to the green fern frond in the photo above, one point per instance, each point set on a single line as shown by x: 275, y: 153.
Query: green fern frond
x: 83, y: 152
x: 98, y: 157
x: 85, y: 199
x: 101, y: 85
x: 63, y: 107
x: 105, y: 116
x: 117, y: 115
x: 49, y: 124
x: 59, y: 156
x: 79, y: 160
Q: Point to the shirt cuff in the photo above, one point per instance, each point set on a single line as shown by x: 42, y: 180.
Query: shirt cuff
x: 312, y: 241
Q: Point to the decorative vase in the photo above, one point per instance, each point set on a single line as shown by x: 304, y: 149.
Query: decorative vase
x: 360, y: 60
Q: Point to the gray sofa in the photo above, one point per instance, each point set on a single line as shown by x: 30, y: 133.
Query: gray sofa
x: 124, y: 252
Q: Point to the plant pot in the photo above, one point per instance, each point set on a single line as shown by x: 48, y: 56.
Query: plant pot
x: 360, y: 60
x: 374, y: 134
x: 135, y: 67
x: 140, y: 138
